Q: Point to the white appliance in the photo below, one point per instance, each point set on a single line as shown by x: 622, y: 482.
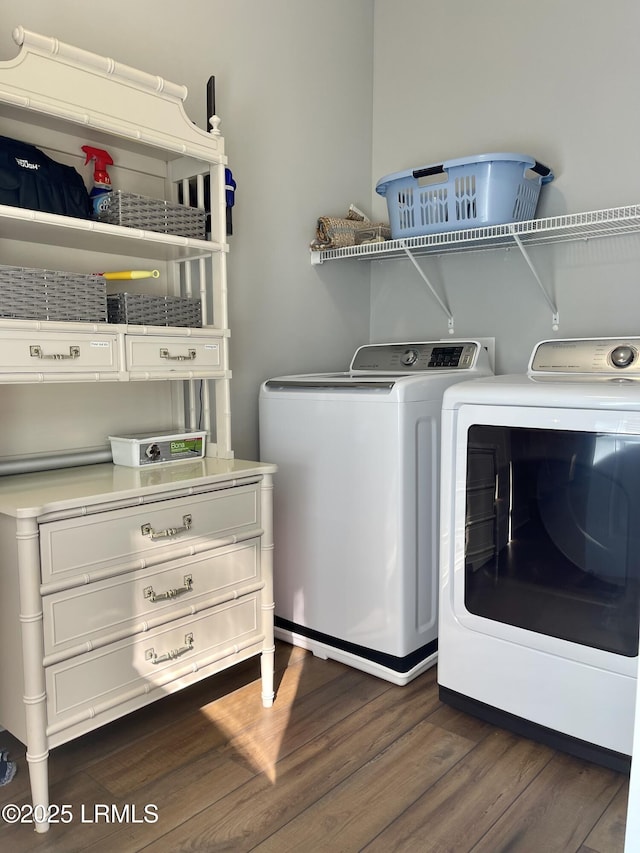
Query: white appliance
x: 540, y: 547
x: 632, y: 829
x: 356, y: 502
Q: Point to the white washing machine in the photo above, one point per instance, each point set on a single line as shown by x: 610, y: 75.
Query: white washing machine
x: 356, y: 502
x: 540, y: 547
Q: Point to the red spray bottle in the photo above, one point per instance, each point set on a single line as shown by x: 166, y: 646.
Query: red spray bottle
x: 101, y: 180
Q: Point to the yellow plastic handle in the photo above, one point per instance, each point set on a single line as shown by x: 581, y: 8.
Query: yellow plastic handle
x: 127, y: 275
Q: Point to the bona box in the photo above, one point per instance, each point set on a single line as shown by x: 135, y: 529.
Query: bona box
x: 144, y: 449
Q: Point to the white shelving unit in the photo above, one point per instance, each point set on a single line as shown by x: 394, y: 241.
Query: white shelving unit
x: 120, y: 585
x: 610, y: 222
x: 58, y: 97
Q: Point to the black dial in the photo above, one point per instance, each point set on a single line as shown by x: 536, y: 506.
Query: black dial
x: 622, y: 356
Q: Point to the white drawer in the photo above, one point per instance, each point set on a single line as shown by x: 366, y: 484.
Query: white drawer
x: 91, y: 544
x: 157, y: 353
x: 99, y: 612
x: 57, y: 352
x: 100, y: 680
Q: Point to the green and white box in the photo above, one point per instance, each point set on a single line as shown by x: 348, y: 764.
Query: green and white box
x: 134, y: 451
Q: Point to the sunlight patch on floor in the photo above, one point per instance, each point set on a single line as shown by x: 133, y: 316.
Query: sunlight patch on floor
x: 257, y: 734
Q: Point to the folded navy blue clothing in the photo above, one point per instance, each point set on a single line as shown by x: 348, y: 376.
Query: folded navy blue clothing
x: 30, y: 178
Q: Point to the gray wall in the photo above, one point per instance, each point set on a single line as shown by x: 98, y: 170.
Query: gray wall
x: 555, y: 79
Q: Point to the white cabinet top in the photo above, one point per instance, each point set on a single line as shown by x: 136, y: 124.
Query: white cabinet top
x: 106, y: 97
x: 73, y: 491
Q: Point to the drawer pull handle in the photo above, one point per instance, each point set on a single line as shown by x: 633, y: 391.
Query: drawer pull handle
x: 169, y: 593
x: 147, y: 529
x: 172, y: 654
x: 35, y: 351
x: 164, y: 353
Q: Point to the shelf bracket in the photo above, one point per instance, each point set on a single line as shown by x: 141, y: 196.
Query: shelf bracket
x: 555, y: 317
x: 430, y: 286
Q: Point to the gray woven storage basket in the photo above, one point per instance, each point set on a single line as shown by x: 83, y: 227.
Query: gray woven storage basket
x: 151, y: 214
x: 34, y: 294
x: 143, y: 309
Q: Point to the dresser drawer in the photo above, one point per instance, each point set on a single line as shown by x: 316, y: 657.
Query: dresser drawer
x: 27, y: 351
x: 89, y: 545
x: 98, y: 612
x: 157, y: 353
x: 95, y: 682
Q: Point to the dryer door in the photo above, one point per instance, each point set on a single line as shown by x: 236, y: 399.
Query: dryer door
x: 551, y: 526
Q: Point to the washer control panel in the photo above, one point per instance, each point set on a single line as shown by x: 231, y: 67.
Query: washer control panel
x: 415, y: 357
x: 599, y: 356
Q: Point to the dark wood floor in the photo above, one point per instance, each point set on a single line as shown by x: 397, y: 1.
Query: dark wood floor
x: 343, y: 762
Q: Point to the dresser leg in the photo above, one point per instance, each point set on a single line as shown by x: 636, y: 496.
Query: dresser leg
x: 39, y: 777
x: 266, y: 670
x: 35, y: 696
x: 267, y: 604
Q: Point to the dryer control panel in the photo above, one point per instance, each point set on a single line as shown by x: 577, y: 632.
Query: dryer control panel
x: 415, y: 357
x: 593, y: 356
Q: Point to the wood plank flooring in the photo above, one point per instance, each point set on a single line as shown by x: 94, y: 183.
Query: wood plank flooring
x: 343, y: 762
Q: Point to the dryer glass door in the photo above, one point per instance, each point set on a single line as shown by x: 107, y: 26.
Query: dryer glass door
x: 552, y: 528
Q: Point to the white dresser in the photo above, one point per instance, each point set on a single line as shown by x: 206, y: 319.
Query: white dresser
x: 121, y: 585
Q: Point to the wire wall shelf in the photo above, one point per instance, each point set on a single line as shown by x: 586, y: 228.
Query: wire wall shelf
x: 555, y: 229
x: 611, y: 222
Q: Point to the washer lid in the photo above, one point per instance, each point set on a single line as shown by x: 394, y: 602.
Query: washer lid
x: 332, y: 382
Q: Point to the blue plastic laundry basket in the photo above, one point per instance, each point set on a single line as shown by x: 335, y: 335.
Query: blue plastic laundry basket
x: 470, y: 192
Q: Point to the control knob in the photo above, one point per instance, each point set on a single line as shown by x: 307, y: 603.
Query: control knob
x: 622, y: 356
x: 409, y: 357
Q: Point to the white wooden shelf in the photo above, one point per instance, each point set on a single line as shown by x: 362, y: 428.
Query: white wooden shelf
x: 57, y: 96
x: 34, y: 226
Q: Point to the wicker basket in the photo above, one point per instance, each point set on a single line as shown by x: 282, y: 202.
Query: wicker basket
x: 151, y: 214
x: 142, y: 309
x: 34, y: 294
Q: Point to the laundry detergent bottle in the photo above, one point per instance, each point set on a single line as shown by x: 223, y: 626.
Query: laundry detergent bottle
x: 101, y: 180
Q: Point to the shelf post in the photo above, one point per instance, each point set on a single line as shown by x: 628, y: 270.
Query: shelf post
x: 422, y: 275
x: 555, y: 317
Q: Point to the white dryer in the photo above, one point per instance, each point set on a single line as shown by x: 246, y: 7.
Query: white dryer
x: 356, y: 502
x: 540, y: 547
